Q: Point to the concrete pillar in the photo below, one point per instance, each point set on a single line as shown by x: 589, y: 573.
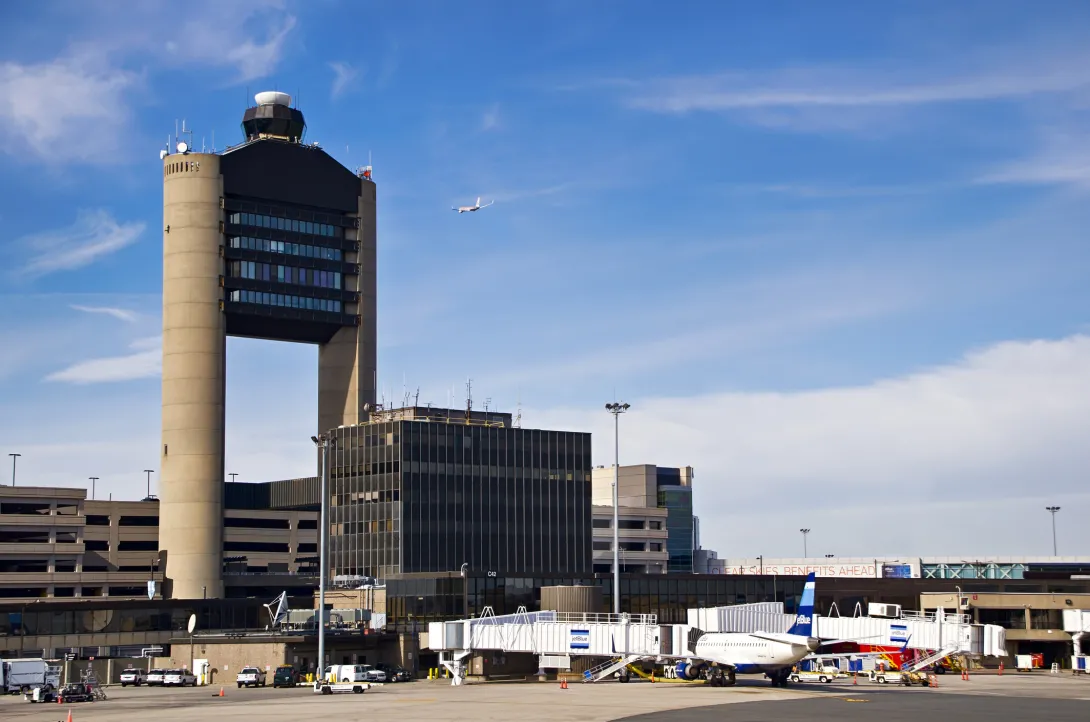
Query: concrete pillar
x: 348, y: 362
x: 194, y: 350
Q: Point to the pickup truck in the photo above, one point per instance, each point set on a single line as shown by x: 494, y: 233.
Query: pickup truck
x: 179, y: 678
x: 132, y: 676
x: 250, y: 677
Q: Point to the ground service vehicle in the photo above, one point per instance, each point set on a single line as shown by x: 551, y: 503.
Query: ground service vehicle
x: 154, y: 678
x: 803, y: 676
x: 285, y: 676
x: 329, y: 687
x: 132, y: 676
x: 251, y: 677
x: 179, y: 678
x: 23, y: 675
x: 915, y: 678
x: 75, y: 693
x: 885, y: 676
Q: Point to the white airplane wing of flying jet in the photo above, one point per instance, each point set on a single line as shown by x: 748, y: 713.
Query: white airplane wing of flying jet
x: 719, y: 656
x: 471, y: 209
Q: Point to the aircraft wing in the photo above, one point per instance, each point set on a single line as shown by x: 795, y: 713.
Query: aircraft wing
x: 777, y: 640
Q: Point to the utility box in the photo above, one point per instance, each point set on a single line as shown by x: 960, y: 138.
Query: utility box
x: 889, y: 611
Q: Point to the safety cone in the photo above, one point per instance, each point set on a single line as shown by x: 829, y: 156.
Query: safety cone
x: 69, y: 716
x: 1000, y: 669
x: 855, y: 679
x: 221, y: 692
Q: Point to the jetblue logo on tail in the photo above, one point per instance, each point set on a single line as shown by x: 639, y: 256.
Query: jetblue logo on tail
x: 804, y: 620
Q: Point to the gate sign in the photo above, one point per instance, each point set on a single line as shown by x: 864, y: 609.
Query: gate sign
x: 898, y: 633
x: 580, y: 639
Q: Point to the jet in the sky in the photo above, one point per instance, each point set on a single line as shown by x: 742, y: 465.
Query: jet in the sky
x: 470, y: 209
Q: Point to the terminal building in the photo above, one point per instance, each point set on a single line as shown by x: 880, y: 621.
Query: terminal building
x: 653, y: 496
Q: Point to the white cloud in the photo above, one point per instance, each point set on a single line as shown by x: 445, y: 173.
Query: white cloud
x: 946, y: 460
x: 491, y: 118
x: 121, y: 314
x: 94, y: 234
x: 47, y: 108
x: 146, y: 361
x: 343, y: 77
x: 259, y: 59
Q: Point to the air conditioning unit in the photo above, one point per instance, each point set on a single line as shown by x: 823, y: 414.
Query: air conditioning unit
x: 889, y: 611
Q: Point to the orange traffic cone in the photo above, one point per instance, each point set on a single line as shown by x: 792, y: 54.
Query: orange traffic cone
x: 855, y: 679
x: 221, y: 692
x: 69, y: 716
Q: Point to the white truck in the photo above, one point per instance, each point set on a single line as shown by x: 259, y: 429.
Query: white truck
x: 350, y: 673
x: 812, y: 676
x: 250, y: 677
x: 24, y: 675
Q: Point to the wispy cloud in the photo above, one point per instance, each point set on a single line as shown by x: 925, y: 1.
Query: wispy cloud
x: 146, y: 361
x: 94, y: 234
x: 257, y: 59
x: 42, y: 103
x: 841, y: 97
x: 343, y: 77
x: 993, y: 425
x: 490, y: 120
x: 121, y: 314
x: 1063, y: 159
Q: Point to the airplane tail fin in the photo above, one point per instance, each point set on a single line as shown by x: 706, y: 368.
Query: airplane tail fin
x: 804, y: 619
x: 478, y: 201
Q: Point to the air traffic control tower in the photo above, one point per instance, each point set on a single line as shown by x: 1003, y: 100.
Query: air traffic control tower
x: 270, y: 239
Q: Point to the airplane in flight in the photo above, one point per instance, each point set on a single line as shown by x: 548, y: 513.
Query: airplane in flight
x: 470, y: 209
x: 720, y: 656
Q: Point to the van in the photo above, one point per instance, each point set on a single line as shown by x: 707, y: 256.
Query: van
x: 348, y: 672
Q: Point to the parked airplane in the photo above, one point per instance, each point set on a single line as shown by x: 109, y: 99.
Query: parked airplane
x: 719, y: 656
x: 470, y: 209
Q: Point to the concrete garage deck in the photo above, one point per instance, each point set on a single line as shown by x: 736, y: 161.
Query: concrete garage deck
x: 990, y: 698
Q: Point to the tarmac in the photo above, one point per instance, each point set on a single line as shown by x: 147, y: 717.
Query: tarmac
x: 998, y: 699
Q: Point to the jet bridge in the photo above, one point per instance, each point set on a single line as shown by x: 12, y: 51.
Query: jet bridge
x: 556, y: 637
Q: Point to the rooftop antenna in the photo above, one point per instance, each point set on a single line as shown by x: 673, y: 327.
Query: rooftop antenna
x: 518, y: 416
x: 213, y: 140
x: 416, y: 399
x: 487, y: 403
x: 469, y: 398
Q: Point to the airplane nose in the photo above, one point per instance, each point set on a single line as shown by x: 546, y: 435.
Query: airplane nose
x: 813, y: 643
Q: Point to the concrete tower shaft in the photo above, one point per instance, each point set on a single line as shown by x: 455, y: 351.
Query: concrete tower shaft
x: 194, y: 350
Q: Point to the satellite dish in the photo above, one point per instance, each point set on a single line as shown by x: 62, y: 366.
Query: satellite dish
x: 192, y: 623
x: 183, y: 147
x: 162, y: 154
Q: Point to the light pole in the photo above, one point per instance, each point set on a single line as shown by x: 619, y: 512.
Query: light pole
x: 232, y: 475
x: 804, y: 533
x: 93, y: 480
x: 1051, y: 509
x: 324, y: 443
x: 14, y: 458
x: 149, y: 472
x: 465, y: 590
x: 616, y: 409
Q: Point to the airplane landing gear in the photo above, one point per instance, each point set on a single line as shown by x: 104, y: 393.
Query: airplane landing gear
x: 719, y: 677
x: 779, y: 679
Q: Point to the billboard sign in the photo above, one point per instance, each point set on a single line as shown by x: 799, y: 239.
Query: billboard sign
x: 896, y: 571
x: 834, y: 570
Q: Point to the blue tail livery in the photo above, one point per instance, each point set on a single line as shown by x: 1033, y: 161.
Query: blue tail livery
x: 804, y: 620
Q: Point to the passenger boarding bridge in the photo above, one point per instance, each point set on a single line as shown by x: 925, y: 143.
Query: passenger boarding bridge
x: 556, y: 637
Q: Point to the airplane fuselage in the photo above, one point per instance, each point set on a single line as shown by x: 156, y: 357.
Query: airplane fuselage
x: 749, y: 654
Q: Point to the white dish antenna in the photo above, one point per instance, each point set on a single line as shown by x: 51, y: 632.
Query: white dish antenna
x: 272, y: 97
x: 192, y: 623
x: 182, y: 146
x: 162, y: 154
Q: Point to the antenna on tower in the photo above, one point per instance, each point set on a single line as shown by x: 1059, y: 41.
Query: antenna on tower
x: 487, y: 403
x: 416, y: 399
x: 469, y: 398
x: 518, y: 416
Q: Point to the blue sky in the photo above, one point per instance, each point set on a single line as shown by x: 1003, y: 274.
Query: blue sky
x: 834, y: 255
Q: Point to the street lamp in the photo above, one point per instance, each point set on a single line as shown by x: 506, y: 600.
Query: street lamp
x: 149, y: 472
x: 93, y: 480
x: 804, y: 533
x: 1051, y: 509
x: 14, y: 457
x: 324, y: 443
x: 616, y: 409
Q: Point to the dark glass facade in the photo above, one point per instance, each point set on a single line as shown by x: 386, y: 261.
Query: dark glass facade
x: 427, y: 496
x: 432, y: 598
x: 677, y: 499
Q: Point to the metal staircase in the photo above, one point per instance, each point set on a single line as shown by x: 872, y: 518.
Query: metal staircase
x: 918, y: 664
x: 605, y: 669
